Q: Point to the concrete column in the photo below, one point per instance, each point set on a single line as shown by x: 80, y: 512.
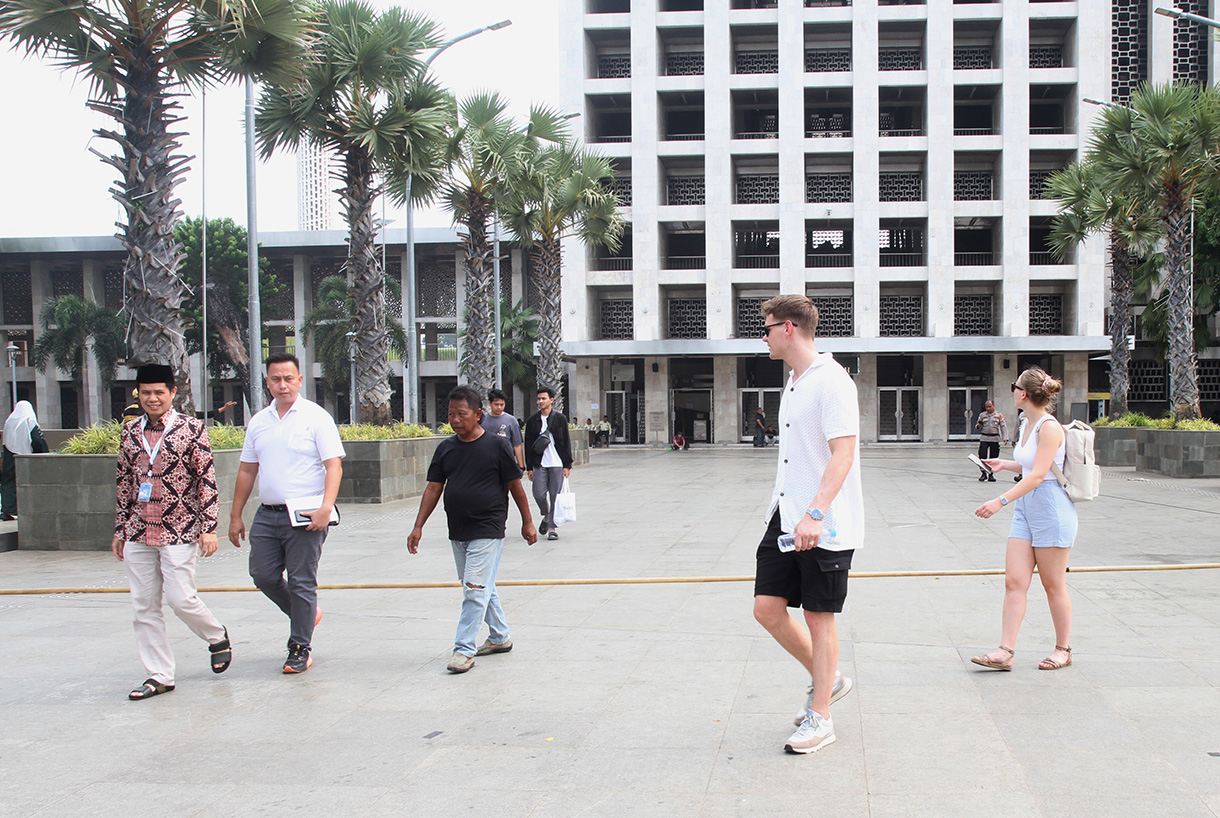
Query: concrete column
x: 865, y: 170
x: 1014, y: 62
x: 645, y: 287
x: 1075, y: 383
x: 94, y: 289
x: 938, y: 173
x: 866, y: 394
x: 459, y: 275
x: 429, y: 393
x: 936, y: 397
x: 656, y: 402
x: 726, y: 408
x: 302, y: 302
x: 718, y: 170
x: 46, y: 384
x: 586, y: 390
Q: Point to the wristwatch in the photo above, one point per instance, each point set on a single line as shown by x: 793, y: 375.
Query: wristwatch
x: 814, y: 513
x: 1003, y: 500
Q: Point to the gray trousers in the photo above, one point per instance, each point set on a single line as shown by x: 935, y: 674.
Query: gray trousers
x: 547, y: 483
x: 276, y: 549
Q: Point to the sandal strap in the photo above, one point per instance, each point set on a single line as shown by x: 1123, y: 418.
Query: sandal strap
x: 1062, y: 648
x: 1007, y: 650
x: 220, y: 647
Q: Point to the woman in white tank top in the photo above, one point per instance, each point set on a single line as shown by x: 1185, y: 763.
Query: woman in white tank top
x: 1043, y: 526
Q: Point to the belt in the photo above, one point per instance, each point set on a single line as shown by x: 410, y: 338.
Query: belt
x: 266, y: 507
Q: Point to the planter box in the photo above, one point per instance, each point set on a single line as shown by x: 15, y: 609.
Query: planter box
x: 1178, y: 453
x: 1116, y: 445
x: 382, y: 471
x: 66, y: 501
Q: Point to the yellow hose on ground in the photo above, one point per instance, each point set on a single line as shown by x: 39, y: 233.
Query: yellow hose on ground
x: 395, y: 586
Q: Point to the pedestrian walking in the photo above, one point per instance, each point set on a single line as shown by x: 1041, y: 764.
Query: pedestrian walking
x: 21, y: 436
x: 760, y: 428
x: 165, y: 514
x: 294, y: 450
x: 498, y: 422
x: 548, y: 455
x: 475, y: 472
x: 818, y: 502
x: 992, y: 429
x: 1043, y: 527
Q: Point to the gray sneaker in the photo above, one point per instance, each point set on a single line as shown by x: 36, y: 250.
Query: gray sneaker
x: 813, y: 734
x: 489, y: 646
x: 843, y: 685
x: 460, y: 663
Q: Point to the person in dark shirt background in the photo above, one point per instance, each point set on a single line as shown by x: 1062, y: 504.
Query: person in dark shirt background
x: 476, y: 471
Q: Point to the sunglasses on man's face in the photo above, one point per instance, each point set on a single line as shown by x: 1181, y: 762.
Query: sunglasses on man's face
x: 766, y: 331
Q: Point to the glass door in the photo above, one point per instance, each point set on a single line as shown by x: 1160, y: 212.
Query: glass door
x: 898, y: 413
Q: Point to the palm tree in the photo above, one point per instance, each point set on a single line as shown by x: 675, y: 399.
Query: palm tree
x: 71, y: 325
x: 518, y: 332
x: 362, y: 99
x: 1160, y: 155
x: 480, y: 155
x: 138, y: 57
x: 558, y: 191
x: 334, y: 315
x: 1086, y: 207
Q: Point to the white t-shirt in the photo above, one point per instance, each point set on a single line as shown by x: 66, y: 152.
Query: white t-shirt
x: 818, y: 406
x: 289, y: 451
x: 550, y: 458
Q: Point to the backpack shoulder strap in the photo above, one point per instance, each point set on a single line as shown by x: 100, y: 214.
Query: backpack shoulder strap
x: 1055, y: 470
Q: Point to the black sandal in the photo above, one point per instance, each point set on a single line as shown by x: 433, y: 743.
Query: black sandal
x: 150, y: 688
x: 222, y: 654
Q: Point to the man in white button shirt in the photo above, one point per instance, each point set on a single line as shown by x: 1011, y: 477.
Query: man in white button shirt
x: 818, y: 500
x: 294, y: 445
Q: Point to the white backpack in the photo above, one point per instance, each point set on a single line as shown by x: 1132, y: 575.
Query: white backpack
x: 1080, y: 476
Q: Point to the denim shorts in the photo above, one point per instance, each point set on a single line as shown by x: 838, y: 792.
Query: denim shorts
x: 1046, y: 517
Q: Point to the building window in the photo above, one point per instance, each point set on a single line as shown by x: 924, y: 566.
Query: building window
x: 1146, y: 381
x: 618, y: 319
x: 973, y: 315
x: 900, y: 187
x: 836, y: 316
x: 972, y: 186
x: 828, y: 187
x: 1128, y: 47
x: 749, y: 315
x: 1046, y: 314
x: 827, y: 59
x: 901, y: 315
x: 611, y: 66
x: 687, y: 318
x: 966, y: 57
x: 757, y: 188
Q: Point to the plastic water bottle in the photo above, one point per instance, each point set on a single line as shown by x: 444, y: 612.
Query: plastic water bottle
x: 787, y: 542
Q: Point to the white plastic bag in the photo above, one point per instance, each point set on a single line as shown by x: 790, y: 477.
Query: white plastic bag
x: 565, y: 505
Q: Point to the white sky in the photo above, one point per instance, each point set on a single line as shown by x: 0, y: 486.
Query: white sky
x: 52, y: 185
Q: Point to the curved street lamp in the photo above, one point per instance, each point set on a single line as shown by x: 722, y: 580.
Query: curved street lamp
x: 410, y: 386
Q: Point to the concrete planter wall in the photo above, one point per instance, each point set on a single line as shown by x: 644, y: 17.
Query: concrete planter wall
x: 1115, y: 445
x: 381, y: 471
x: 67, y: 500
x: 1178, y: 453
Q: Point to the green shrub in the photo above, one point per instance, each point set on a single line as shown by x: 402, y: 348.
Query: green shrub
x: 1167, y: 422
x: 224, y: 436
x: 369, y: 431
x: 444, y: 429
x: 100, y: 438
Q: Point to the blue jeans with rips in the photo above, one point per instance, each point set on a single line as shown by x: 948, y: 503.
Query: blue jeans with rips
x: 477, y: 563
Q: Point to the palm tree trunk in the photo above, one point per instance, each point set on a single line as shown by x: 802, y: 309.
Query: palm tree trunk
x: 1121, y: 286
x: 366, y: 279
x: 547, y: 266
x: 150, y: 170
x: 83, y: 402
x: 1183, y: 378
x: 478, y: 357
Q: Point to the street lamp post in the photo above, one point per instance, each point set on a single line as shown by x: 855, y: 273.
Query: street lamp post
x: 351, y: 366
x: 13, y: 349
x: 253, y: 305
x: 1179, y: 14
x: 410, y: 390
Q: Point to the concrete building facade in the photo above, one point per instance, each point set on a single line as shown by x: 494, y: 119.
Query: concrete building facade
x: 886, y: 158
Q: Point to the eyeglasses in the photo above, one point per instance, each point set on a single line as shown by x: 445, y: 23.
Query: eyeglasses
x: 767, y: 327
x: 1012, y: 387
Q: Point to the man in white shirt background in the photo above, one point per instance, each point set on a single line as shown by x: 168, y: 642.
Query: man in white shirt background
x: 293, y: 447
x: 819, y: 501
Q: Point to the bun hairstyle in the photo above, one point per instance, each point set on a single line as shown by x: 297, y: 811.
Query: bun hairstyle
x: 1041, y: 388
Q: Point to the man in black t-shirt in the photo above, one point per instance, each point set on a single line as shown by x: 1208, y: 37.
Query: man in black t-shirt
x: 476, y: 471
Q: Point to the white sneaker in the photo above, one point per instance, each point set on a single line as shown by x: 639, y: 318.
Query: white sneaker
x: 843, y: 685
x: 814, y: 733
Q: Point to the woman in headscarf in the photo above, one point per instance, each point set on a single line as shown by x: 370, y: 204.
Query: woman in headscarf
x: 21, y: 436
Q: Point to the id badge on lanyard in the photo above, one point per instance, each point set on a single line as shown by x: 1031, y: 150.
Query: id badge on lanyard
x: 145, y: 494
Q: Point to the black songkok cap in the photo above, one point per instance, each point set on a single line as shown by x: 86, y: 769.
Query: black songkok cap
x: 155, y: 373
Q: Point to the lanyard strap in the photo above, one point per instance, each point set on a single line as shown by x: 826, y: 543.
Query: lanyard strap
x: 167, y: 421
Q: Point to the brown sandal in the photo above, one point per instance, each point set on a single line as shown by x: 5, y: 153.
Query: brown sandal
x: 985, y: 661
x: 1049, y: 662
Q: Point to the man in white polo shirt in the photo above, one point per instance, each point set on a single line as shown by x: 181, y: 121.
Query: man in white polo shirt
x: 294, y: 445
x: 818, y: 501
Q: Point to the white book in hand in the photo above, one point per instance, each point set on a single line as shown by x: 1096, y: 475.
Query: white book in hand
x: 298, y: 507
